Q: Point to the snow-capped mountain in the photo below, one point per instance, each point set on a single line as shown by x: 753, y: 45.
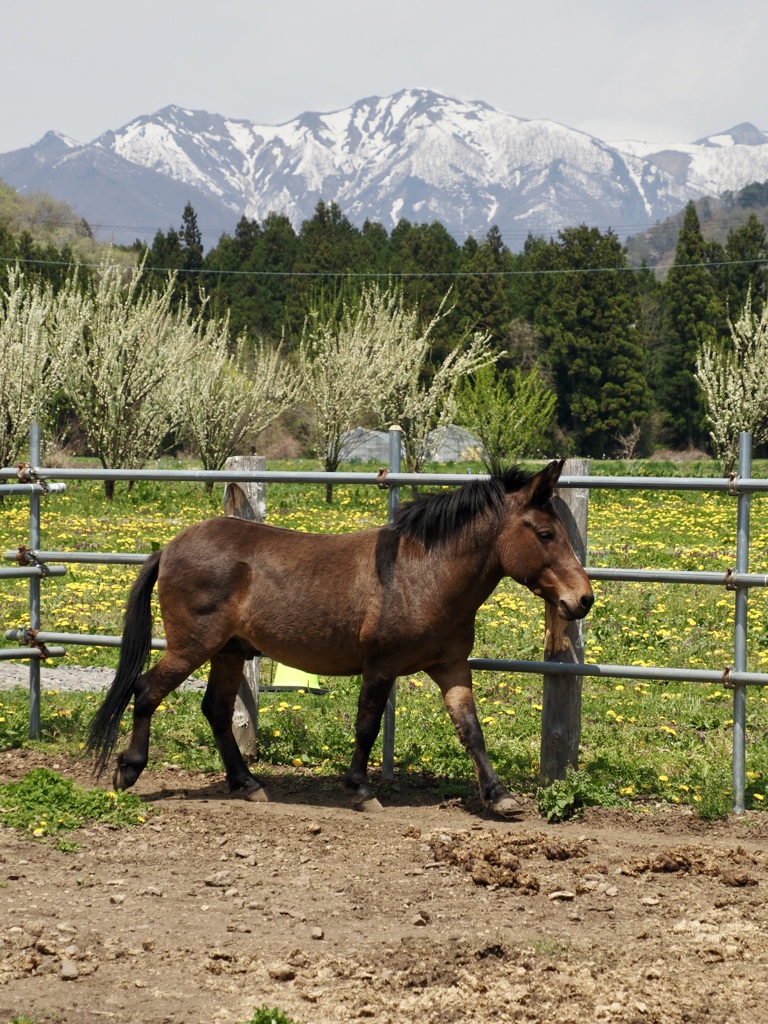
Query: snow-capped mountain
x: 418, y: 154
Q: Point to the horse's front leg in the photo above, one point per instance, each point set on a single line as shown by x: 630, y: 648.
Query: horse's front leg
x: 455, y: 682
x: 370, y: 708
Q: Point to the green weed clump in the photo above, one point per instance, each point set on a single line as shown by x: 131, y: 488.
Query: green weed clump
x: 564, y: 798
x: 44, y: 803
x: 266, y: 1016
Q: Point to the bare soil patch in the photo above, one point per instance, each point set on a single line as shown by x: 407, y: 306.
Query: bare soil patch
x: 427, y: 912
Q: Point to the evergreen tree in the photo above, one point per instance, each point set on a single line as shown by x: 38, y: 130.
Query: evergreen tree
x: 691, y: 315
x: 374, y: 248
x: 191, y: 242
x: 279, y: 252
x: 327, y: 253
x: 483, y: 301
x: 161, y: 259
x: 528, y: 284
x: 248, y: 276
x: 593, y: 346
x: 746, y: 269
x: 425, y: 258
x: 233, y: 283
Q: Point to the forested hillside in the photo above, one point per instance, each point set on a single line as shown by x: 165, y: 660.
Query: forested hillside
x: 719, y: 219
x: 616, y: 342
x: 39, y: 228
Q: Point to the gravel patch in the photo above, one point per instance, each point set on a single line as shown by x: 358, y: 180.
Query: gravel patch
x: 67, y: 678
x: 64, y: 678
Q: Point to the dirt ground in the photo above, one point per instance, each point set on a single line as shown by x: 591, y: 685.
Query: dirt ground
x: 426, y: 912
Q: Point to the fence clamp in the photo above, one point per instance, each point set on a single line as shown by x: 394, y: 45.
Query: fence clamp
x: 29, y: 636
x: 29, y: 475
x: 381, y: 478
x: 727, y: 681
x: 730, y: 583
x: 26, y: 556
x: 732, y: 485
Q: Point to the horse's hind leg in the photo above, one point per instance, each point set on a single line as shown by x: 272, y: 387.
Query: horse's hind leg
x: 370, y: 708
x: 455, y: 682
x: 170, y: 671
x: 218, y: 706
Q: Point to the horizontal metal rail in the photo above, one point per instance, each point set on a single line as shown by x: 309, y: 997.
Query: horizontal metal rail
x: 84, y: 557
x: 21, y: 653
x: 32, y: 488
x: 725, y: 677
x: 729, y: 579
x: 32, y: 570
x: 729, y: 485
x: 222, y: 476
x: 85, y: 639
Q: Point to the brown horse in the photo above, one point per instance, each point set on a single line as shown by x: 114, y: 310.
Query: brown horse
x: 380, y: 603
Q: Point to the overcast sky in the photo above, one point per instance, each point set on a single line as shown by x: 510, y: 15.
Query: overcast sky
x: 657, y: 70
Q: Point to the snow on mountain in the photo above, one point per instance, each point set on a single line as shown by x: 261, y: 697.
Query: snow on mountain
x: 417, y: 154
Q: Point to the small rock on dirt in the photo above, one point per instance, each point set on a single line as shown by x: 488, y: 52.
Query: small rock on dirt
x: 281, y: 972
x: 69, y: 970
x: 220, y: 879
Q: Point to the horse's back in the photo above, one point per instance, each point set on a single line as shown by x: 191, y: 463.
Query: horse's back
x: 231, y: 539
x: 282, y: 590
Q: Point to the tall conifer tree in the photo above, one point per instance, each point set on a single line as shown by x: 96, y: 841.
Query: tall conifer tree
x: 692, y: 313
x: 595, y: 350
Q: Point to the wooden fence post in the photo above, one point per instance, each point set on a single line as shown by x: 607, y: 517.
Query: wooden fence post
x: 246, y: 501
x: 561, y: 704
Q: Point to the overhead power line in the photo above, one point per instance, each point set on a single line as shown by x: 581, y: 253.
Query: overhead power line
x: 384, y: 274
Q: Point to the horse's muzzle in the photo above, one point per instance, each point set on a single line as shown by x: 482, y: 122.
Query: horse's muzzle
x: 570, y: 611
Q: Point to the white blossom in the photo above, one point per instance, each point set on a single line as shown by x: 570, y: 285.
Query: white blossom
x: 121, y: 355
x: 25, y: 387
x: 226, y: 396
x: 733, y: 376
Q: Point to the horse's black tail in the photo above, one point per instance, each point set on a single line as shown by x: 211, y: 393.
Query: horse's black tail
x: 134, y: 653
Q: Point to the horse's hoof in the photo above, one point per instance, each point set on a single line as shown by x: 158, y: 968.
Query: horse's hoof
x: 119, y: 781
x: 506, y: 807
x: 370, y: 805
x: 256, y: 794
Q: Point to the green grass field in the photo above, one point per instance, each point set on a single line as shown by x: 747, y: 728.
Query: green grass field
x: 641, y: 743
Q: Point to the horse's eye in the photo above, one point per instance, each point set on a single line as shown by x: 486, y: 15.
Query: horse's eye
x: 545, y: 535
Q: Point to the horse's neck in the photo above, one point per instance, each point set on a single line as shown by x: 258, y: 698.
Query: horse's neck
x: 472, y: 574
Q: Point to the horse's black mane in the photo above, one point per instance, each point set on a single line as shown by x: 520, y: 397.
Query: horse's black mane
x: 436, y: 518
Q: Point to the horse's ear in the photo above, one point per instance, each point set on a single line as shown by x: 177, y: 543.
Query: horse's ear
x: 542, y: 486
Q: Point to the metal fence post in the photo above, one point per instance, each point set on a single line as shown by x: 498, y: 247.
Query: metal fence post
x: 247, y: 501
x: 561, y: 703
x: 34, y: 587
x: 393, y: 500
x: 740, y: 626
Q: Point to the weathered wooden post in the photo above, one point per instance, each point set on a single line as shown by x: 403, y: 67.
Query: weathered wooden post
x: 246, y: 501
x: 561, y: 706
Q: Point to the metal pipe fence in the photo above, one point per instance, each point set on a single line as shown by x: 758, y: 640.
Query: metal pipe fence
x: 34, y: 564
x: 733, y: 485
